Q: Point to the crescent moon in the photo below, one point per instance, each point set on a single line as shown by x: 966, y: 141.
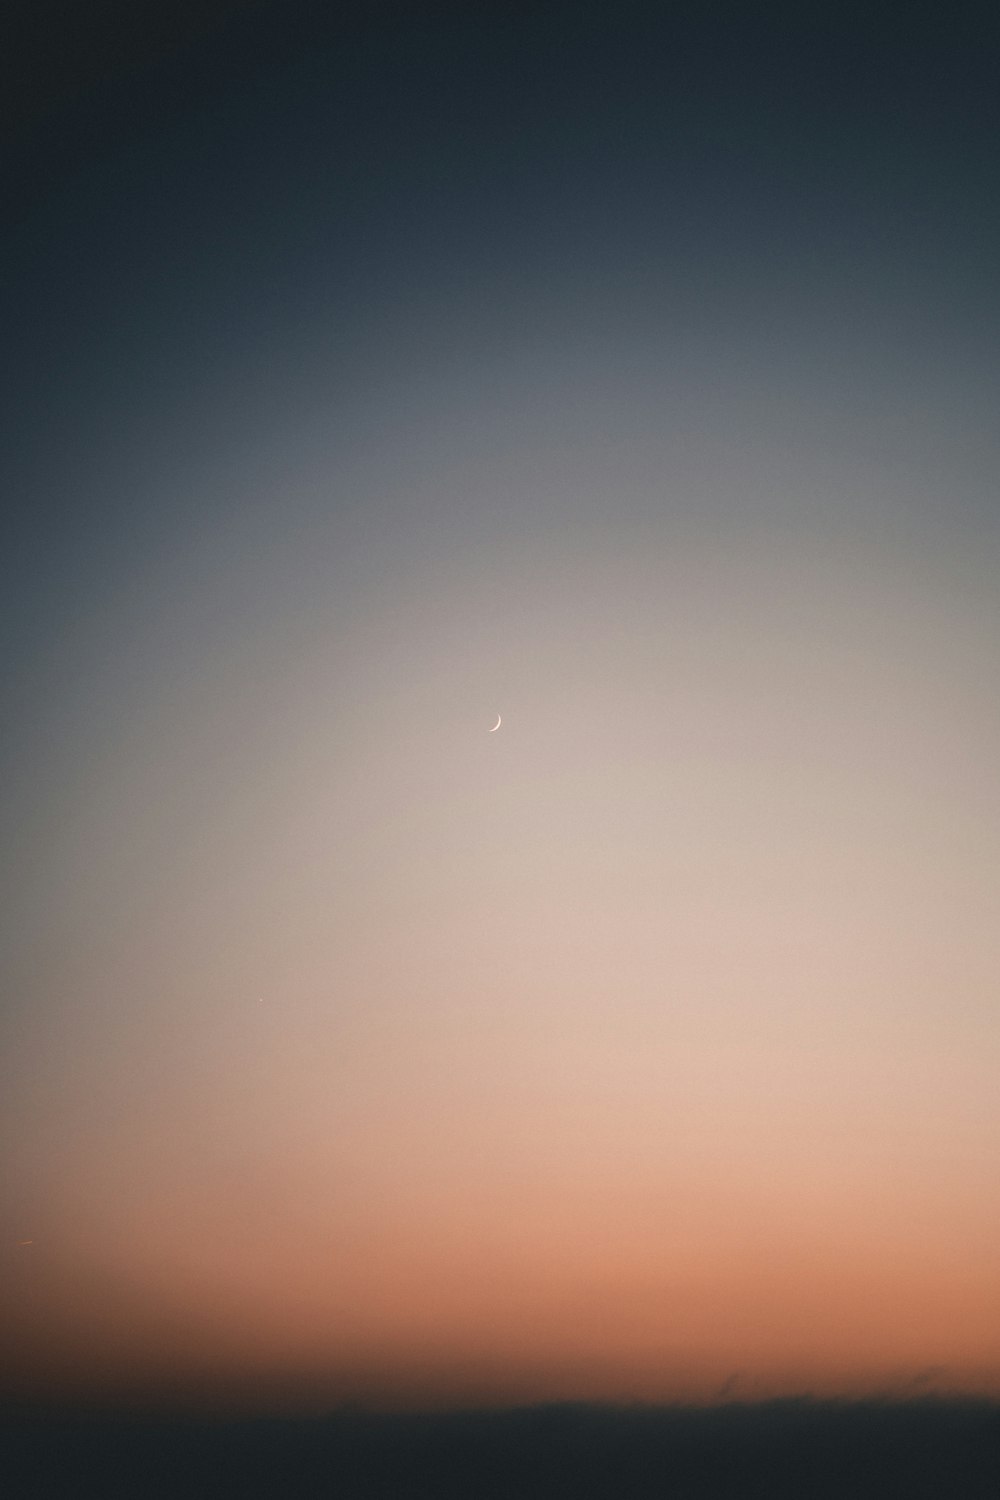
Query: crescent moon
x: 496, y: 725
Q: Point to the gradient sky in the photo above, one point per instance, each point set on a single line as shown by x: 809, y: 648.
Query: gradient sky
x: 629, y: 372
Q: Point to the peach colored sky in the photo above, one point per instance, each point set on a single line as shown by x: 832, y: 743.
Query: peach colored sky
x: 648, y: 1040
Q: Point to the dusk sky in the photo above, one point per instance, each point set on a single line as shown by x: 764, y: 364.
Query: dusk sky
x: 625, y: 372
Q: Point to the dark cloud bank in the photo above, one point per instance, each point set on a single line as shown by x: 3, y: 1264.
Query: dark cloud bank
x: 923, y: 1449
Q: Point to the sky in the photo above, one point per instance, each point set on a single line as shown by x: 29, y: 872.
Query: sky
x: 629, y: 374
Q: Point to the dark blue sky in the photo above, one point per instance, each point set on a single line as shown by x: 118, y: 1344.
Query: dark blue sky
x: 194, y: 191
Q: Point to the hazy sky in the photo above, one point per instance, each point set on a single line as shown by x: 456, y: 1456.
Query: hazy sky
x: 628, y: 372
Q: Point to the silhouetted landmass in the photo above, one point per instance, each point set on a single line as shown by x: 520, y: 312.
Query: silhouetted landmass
x: 927, y: 1449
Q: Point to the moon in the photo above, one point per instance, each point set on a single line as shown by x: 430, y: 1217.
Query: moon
x: 496, y: 725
